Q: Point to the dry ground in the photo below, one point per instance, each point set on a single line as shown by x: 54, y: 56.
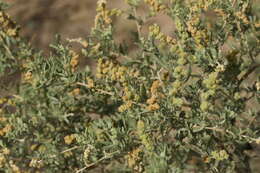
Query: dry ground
x: 40, y: 20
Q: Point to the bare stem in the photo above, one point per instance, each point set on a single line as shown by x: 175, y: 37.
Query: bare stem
x: 107, y: 156
x: 138, y: 26
x: 100, y: 90
x: 248, y: 73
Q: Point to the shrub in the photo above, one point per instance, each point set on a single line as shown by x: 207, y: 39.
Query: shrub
x: 186, y: 102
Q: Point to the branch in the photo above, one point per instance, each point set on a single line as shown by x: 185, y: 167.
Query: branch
x: 107, y: 156
x: 248, y: 73
x: 100, y: 90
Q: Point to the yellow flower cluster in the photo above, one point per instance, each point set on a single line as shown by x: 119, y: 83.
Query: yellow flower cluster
x: 27, y: 77
x: 95, y: 49
x: 104, y: 67
x: 242, y: 16
x: 198, y: 5
x: 74, y: 61
x: 134, y: 159
x: 128, y: 99
x: 219, y: 155
x: 242, y: 13
x: 69, y: 139
x: 75, y: 92
x: 176, y: 86
x: 14, y: 168
x: 7, y: 25
x: 113, y: 71
x: 200, y: 36
x: 257, y: 86
x: 155, y: 86
x: 211, y: 83
x: 5, y: 130
x: 4, y: 152
x: 42, y: 148
x: 145, y: 138
x: 6, y: 127
x: 119, y: 73
x: 193, y: 23
x: 87, y: 152
x: 155, y: 31
x: 129, y: 96
x: 33, y: 147
x: 180, y: 72
x: 90, y: 83
x: 221, y: 12
x: 257, y: 24
x: 36, y: 163
x: 127, y: 105
x: 155, y: 96
x: 2, y: 160
x: 178, y: 102
x: 3, y: 100
x: 103, y: 15
x: 68, y: 154
x: 156, y: 6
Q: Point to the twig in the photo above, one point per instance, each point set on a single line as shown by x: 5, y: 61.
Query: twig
x: 233, y: 4
x: 215, y: 129
x: 228, y: 96
x: 9, y: 52
x: 100, y: 90
x: 253, y: 139
x: 17, y: 96
x: 70, y: 149
x: 248, y: 73
x: 107, y: 156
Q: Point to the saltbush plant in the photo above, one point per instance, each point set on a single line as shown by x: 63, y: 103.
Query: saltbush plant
x: 178, y: 103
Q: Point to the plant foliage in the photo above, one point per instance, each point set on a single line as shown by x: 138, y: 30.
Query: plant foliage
x: 181, y: 102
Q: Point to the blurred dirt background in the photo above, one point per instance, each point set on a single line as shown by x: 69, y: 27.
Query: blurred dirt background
x: 40, y: 20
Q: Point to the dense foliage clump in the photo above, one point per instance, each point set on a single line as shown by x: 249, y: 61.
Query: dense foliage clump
x: 177, y: 103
